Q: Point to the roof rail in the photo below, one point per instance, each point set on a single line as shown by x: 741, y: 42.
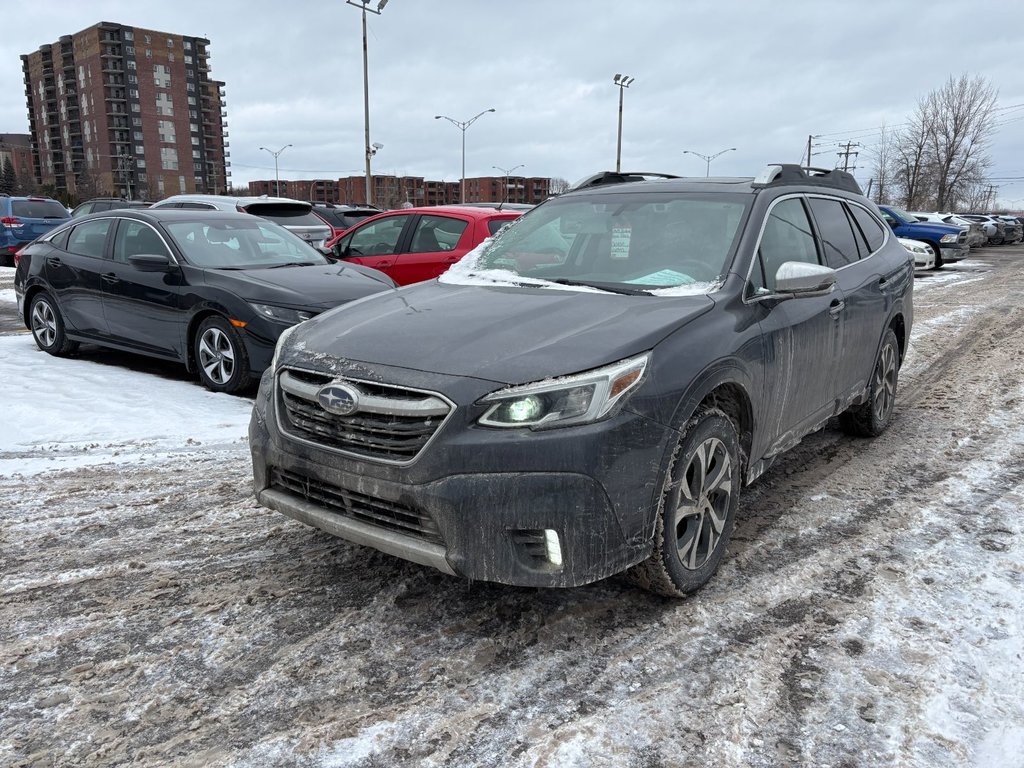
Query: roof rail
x: 617, y: 177
x: 791, y: 173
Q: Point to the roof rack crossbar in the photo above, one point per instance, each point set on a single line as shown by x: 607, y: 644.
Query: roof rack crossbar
x: 619, y: 177
x: 792, y: 173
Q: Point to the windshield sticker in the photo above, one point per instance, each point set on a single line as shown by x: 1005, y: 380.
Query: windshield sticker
x: 620, y: 242
x: 664, y: 277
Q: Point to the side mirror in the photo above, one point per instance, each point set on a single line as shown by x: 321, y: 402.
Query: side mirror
x: 150, y: 262
x: 799, y: 279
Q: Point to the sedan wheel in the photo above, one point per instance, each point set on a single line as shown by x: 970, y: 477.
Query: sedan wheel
x: 48, y: 326
x: 704, y: 501
x: 221, y: 357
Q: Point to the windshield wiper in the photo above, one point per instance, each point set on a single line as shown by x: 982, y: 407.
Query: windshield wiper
x: 294, y: 264
x: 610, y: 287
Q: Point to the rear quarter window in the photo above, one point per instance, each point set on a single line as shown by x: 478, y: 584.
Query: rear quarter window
x: 38, y: 209
x: 869, y: 226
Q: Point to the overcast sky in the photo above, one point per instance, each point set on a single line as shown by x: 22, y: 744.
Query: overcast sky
x: 758, y: 76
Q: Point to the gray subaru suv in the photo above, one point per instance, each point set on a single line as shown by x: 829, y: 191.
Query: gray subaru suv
x: 588, y: 392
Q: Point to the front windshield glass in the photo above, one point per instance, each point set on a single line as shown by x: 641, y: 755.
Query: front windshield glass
x: 665, y: 243
x: 240, y: 243
x: 903, y: 216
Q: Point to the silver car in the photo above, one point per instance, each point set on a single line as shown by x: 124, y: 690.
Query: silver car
x: 294, y: 215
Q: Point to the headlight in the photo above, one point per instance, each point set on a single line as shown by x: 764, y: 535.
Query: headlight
x: 281, y: 314
x: 949, y: 238
x: 280, y: 345
x: 917, y: 249
x: 569, y: 400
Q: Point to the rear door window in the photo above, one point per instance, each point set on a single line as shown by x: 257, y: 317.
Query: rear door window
x: 437, y: 233
x: 837, y: 239
x: 90, y: 238
x: 869, y: 226
x: 38, y: 209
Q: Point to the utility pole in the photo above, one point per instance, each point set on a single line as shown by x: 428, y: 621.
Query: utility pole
x: 809, y: 138
x: 990, y: 197
x: 845, y: 154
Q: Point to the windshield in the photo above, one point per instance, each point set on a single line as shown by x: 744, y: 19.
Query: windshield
x: 240, y: 244
x: 668, y: 243
x: 903, y: 216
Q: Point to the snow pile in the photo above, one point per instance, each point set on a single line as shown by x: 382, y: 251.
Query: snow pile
x: 74, y: 412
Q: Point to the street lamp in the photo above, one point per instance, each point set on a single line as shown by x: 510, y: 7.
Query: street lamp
x: 708, y: 158
x: 364, y: 7
x: 623, y: 82
x: 507, y: 172
x: 462, y: 125
x: 277, y: 177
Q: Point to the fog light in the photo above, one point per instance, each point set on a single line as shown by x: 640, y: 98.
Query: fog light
x: 552, y: 547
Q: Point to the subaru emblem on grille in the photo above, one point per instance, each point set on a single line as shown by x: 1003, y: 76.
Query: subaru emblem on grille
x: 339, y: 399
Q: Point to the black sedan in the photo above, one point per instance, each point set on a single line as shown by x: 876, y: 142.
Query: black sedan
x: 211, y: 289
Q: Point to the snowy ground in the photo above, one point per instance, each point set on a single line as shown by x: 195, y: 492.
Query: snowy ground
x: 868, y: 612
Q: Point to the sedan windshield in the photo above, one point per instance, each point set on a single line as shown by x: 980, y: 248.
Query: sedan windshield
x: 626, y: 243
x: 240, y: 244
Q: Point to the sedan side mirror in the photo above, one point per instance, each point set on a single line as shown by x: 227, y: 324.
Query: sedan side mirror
x: 798, y: 279
x: 150, y: 262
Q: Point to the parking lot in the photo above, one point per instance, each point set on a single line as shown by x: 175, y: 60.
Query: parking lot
x: 867, y: 611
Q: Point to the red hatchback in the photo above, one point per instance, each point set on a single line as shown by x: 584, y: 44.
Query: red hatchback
x: 416, y: 244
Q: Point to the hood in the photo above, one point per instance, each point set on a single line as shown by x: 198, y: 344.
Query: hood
x: 501, y: 334
x: 322, y: 286
x: 932, y: 227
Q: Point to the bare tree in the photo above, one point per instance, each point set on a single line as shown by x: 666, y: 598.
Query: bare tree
x: 912, y: 160
x: 883, y: 157
x: 557, y: 186
x: 960, y: 124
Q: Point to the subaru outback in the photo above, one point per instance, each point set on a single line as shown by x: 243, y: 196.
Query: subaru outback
x: 588, y: 392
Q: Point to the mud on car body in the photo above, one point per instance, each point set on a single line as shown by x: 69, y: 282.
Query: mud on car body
x: 588, y: 393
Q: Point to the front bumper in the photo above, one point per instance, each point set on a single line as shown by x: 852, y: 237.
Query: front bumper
x: 477, y: 502
x: 954, y: 252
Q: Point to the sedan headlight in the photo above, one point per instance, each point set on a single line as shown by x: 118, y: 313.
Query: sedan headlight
x: 949, y: 238
x: 281, y: 340
x: 579, y: 399
x: 281, y: 314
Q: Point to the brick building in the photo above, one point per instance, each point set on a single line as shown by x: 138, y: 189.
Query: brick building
x: 394, y: 191
x: 128, y: 111
x: 17, y: 147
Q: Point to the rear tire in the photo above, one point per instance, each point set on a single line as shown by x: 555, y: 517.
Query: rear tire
x: 220, y: 356
x: 47, y: 325
x: 870, y: 418
x: 697, y: 508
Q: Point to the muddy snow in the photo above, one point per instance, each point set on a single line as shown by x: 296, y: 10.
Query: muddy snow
x: 868, y: 612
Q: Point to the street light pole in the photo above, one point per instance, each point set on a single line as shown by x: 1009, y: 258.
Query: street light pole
x: 507, y: 172
x: 364, y: 7
x: 462, y: 125
x: 623, y: 82
x: 708, y: 158
x: 277, y: 177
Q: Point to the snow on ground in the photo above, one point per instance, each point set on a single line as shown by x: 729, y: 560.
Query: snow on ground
x: 867, y: 613
x: 75, y: 412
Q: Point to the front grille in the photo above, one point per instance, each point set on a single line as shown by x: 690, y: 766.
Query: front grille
x: 358, y: 506
x: 391, y: 424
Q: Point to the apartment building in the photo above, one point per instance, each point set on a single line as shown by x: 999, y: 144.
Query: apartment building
x: 129, y: 111
x: 17, y: 149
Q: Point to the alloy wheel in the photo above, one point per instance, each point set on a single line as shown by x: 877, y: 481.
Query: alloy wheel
x: 44, y: 324
x: 216, y: 355
x: 704, y: 498
x: 885, y: 383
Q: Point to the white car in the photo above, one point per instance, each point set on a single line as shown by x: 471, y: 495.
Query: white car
x: 924, y: 256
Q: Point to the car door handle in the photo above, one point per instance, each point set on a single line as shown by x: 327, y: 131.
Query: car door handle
x: 111, y: 278
x: 452, y: 259
x: 836, y: 307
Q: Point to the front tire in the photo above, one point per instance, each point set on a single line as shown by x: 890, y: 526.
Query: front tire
x: 937, y: 253
x: 870, y: 418
x: 47, y: 326
x: 220, y: 356
x: 697, y: 508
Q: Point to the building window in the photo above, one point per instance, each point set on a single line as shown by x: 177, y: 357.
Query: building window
x: 133, y: 92
x: 135, y: 107
x: 194, y: 115
x: 130, y: 50
x: 131, y: 65
x: 139, y: 150
x: 137, y: 135
x: 133, y: 79
x: 190, y: 86
x: 149, y: 53
x: 140, y: 163
x: 188, y: 59
x: 181, y: 183
x: 166, y: 129
x: 195, y: 153
x: 169, y: 158
x: 187, y: 45
x: 192, y: 100
x: 146, y: 39
x: 129, y: 35
x: 137, y: 121
x: 170, y: 43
